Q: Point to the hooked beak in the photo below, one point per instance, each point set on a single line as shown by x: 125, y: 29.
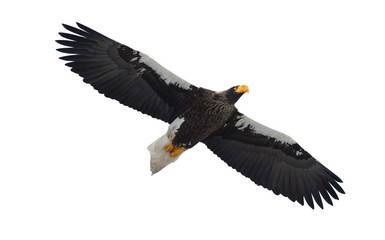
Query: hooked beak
x: 242, y: 89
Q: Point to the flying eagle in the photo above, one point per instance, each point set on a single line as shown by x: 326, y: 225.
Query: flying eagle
x: 267, y: 157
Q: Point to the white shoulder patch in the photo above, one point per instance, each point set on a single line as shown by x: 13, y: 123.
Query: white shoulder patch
x: 165, y: 74
x: 258, y: 128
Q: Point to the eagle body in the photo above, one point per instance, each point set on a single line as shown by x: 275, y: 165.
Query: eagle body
x: 267, y: 157
x: 207, y: 114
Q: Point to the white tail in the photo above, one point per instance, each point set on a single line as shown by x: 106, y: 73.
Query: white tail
x: 159, y: 157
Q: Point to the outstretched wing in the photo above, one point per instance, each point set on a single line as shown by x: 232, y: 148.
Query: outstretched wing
x: 122, y: 73
x: 273, y: 160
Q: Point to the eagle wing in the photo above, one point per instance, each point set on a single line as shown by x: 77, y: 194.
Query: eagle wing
x: 126, y: 75
x: 273, y: 160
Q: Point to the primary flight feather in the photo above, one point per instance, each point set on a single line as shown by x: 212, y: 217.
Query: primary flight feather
x: 268, y: 157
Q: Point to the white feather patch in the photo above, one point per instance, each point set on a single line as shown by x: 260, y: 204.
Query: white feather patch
x: 160, y: 158
x: 165, y: 74
x: 175, y: 125
x: 245, y: 122
x: 173, y: 128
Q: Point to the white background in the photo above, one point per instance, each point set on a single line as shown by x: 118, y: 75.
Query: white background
x: 74, y: 164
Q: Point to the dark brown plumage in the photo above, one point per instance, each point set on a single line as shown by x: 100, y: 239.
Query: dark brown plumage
x: 269, y: 158
x: 207, y: 114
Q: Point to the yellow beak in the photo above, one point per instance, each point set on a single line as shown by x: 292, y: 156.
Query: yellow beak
x: 242, y: 89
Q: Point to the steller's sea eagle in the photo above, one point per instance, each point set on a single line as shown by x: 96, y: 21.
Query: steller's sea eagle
x: 268, y: 157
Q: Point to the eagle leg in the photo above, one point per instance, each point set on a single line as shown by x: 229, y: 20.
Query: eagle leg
x: 176, y: 151
x: 169, y: 147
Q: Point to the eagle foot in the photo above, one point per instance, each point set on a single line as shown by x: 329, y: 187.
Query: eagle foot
x: 175, y: 151
x: 169, y: 147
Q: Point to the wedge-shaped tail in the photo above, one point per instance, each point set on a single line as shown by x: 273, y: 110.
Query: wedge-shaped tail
x: 160, y: 158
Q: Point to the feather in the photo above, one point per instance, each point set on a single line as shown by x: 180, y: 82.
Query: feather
x: 279, y: 163
x: 107, y: 65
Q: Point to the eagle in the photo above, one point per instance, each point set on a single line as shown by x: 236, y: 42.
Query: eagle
x: 267, y: 157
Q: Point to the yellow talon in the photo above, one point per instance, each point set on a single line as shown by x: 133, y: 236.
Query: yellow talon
x: 176, y: 151
x: 168, y: 147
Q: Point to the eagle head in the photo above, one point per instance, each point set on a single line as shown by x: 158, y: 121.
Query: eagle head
x: 234, y: 93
